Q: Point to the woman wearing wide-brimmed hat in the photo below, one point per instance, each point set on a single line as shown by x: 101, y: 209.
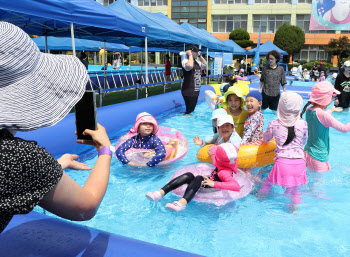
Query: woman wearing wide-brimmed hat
x: 38, y: 90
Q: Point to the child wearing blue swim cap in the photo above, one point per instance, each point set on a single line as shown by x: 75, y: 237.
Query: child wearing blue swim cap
x: 254, y: 124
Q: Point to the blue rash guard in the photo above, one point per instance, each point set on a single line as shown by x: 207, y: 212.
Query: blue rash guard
x: 146, y: 142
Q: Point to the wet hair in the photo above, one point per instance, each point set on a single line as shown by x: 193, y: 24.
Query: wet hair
x: 291, y: 135
x: 231, y: 80
x: 275, y: 54
x: 304, y: 109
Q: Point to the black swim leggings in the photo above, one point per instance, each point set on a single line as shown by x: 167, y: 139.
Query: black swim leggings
x: 194, y: 183
x: 190, y: 102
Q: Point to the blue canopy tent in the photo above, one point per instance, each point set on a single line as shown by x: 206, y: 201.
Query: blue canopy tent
x: 237, y: 50
x: 160, y: 33
x: 81, y: 18
x: 65, y: 43
x: 134, y: 49
x: 267, y: 47
x: 213, y: 44
x: 207, y: 41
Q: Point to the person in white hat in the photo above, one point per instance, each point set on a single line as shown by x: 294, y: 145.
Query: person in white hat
x: 342, y: 84
x: 290, y: 133
x: 38, y: 90
x: 226, y: 133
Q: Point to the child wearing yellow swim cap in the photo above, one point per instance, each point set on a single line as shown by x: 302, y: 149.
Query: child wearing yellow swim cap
x: 234, y: 101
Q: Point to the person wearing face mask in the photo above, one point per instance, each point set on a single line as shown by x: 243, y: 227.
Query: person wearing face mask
x: 272, y: 77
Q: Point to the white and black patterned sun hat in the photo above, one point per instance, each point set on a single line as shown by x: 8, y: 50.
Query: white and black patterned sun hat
x: 36, y: 89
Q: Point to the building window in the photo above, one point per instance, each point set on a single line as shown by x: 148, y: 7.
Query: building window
x: 228, y: 23
x: 303, y: 22
x: 152, y: 2
x: 269, y: 23
x: 193, y: 12
x: 231, y: 2
x: 312, y: 53
x: 273, y: 1
x: 304, y: 1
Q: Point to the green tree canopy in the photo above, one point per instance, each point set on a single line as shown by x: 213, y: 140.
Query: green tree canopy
x: 241, y: 38
x: 339, y: 47
x: 289, y: 38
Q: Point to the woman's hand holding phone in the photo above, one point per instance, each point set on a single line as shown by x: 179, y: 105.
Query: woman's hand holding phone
x: 99, y: 137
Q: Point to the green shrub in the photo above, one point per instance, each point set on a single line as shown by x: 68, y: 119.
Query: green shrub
x: 289, y: 38
x: 309, y: 65
x: 241, y: 37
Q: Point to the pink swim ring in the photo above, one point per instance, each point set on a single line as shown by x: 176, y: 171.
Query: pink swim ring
x: 175, y: 142
x: 215, y: 196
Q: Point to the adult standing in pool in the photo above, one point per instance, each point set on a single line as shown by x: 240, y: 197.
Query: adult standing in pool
x: 38, y: 90
x: 272, y: 77
x: 342, y: 84
x: 191, y: 67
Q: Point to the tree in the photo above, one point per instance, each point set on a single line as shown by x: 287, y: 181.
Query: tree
x: 290, y: 38
x: 241, y: 38
x: 339, y: 47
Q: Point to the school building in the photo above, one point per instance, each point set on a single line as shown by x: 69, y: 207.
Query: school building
x: 220, y: 17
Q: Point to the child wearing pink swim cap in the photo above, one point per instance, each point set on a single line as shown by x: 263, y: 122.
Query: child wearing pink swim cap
x: 224, y: 159
x: 146, y: 127
x: 290, y: 133
x: 319, y: 121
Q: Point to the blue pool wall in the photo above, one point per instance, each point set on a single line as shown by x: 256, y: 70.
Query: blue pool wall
x: 36, y: 234
x: 60, y: 138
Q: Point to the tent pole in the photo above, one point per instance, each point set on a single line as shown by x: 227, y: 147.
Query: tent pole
x: 146, y: 60
x: 141, y: 77
x: 246, y: 62
x: 129, y: 59
x: 104, y: 72
x: 72, y: 36
x: 208, y: 79
x: 184, y: 47
x: 46, y: 50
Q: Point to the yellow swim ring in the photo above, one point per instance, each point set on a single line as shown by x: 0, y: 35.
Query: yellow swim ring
x: 251, y: 155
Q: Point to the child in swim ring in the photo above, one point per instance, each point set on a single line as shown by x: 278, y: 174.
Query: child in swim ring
x: 146, y: 127
x: 224, y: 159
x: 234, y: 101
x: 319, y: 121
x: 254, y: 124
x: 290, y: 133
x: 227, y: 133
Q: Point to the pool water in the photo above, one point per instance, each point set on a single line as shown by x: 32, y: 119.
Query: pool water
x: 247, y: 227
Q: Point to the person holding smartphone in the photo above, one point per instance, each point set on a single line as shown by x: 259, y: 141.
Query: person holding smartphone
x: 32, y: 96
x: 191, y: 67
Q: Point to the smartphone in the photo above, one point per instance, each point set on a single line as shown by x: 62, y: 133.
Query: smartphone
x: 85, y: 114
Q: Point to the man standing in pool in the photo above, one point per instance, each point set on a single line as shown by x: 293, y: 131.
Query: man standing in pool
x: 191, y: 67
x: 272, y: 77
